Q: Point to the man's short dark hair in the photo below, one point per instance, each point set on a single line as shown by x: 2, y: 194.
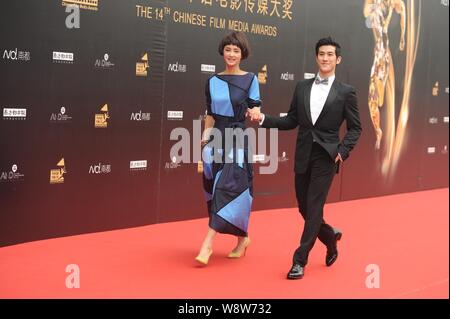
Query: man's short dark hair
x: 238, y: 39
x: 328, y: 41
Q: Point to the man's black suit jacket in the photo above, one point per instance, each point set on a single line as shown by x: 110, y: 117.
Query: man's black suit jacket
x: 341, y: 104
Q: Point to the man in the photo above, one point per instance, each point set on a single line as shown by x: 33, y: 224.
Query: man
x: 319, y: 107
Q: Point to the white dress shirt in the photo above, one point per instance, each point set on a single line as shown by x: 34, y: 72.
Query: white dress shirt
x: 319, y: 94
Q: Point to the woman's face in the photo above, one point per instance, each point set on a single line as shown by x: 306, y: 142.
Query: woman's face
x: 232, y: 55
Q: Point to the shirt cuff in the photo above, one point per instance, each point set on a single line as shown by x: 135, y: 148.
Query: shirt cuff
x: 262, y: 119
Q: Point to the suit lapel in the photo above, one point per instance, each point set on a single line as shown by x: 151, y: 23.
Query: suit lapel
x: 330, y: 99
x: 307, y: 98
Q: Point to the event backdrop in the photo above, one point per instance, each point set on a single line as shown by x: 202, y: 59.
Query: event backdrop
x: 90, y: 91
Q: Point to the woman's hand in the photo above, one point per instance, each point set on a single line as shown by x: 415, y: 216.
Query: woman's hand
x: 254, y: 114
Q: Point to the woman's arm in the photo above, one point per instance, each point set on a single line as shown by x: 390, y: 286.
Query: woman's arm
x: 209, y: 123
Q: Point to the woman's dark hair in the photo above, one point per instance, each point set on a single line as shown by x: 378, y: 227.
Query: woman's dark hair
x: 238, y: 39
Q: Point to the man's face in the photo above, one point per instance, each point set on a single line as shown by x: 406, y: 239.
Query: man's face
x: 327, y: 60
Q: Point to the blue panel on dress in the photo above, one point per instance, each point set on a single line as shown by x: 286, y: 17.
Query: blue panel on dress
x: 254, y: 90
x: 221, y: 104
x: 216, y: 179
x: 240, y: 156
x: 237, y: 212
x: 207, y: 162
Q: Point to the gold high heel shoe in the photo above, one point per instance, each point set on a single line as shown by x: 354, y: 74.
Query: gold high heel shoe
x: 204, y: 260
x: 238, y: 254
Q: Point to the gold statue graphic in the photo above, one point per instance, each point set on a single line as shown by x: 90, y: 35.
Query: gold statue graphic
x: 378, y: 15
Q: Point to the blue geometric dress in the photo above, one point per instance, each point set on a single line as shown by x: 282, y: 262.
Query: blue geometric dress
x: 228, y: 185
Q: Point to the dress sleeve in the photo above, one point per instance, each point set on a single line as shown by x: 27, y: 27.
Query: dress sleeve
x: 254, y: 99
x: 208, y: 99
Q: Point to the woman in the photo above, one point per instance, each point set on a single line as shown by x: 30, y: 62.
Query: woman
x: 230, y: 96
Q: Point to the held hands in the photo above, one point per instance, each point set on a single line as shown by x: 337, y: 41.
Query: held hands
x: 338, y: 158
x: 254, y: 114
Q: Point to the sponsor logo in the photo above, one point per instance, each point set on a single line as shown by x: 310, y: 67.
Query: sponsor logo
x: 83, y: 4
x: 138, y: 165
x: 57, y: 174
x: 208, y: 68
x: 12, y: 176
x: 63, y: 57
x: 287, y: 76
x: 176, y: 67
x: 60, y: 117
x: 433, y: 120
x: 259, y: 158
x: 140, y: 116
x: 309, y: 75
x: 173, y: 164
x: 435, y: 90
x: 14, y: 114
x: 142, y: 66
x: 101, y: 120
x: 283, y: 157
x: 17, y: 55
x: 100, y: 169
x: 174, y: 115
x: 104, y: 63
x: 431, y: 150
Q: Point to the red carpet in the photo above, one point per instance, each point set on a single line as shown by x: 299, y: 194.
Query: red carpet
x: 406, y: 236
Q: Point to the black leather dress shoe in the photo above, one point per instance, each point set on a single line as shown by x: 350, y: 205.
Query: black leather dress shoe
x: 337, y: 234
x: 332, y: 254
x: 297, y: 271
x: 331, y: 257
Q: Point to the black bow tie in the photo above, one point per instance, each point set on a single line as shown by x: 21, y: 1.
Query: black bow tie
x: 319, y: 81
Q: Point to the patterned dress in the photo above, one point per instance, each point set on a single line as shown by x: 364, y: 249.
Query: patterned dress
x: 227, y: 173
